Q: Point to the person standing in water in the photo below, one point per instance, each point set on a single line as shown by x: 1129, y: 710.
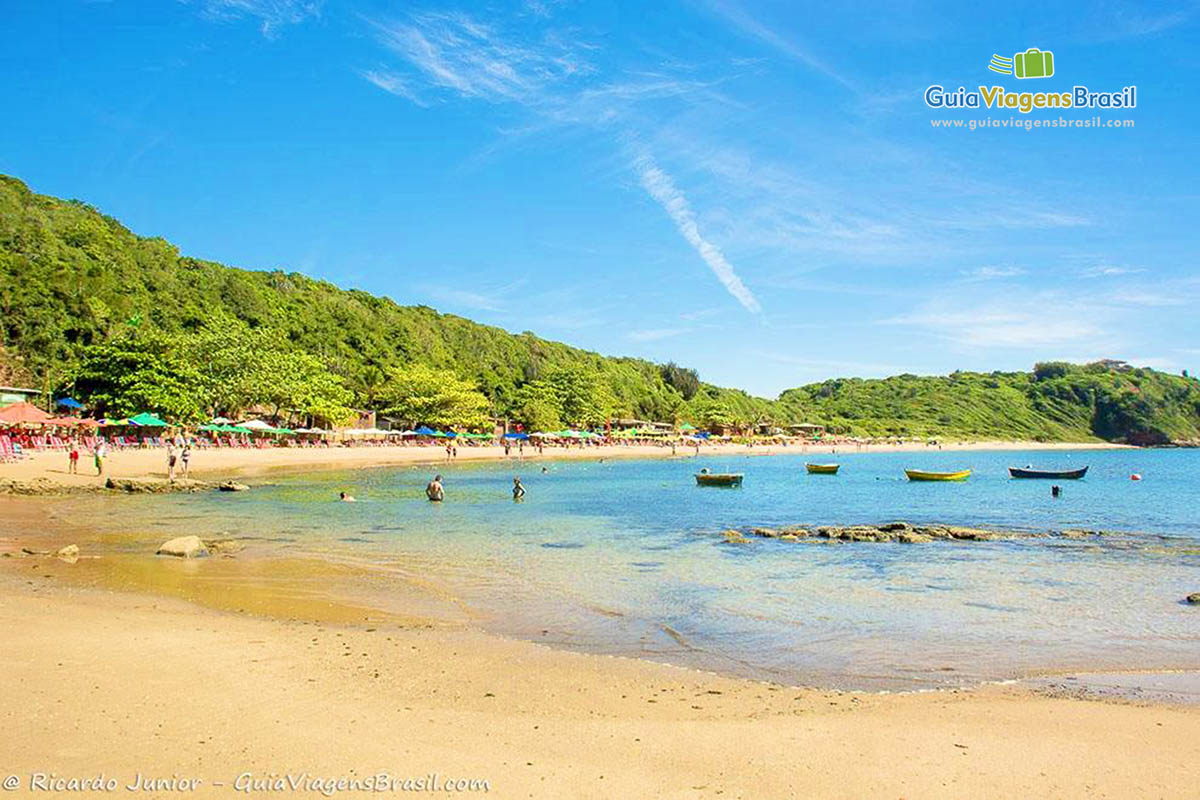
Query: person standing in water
x: 435, y: 491
x: 518, y: 489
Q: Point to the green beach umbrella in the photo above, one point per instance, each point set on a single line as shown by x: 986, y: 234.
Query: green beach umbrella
x: 148, y: 420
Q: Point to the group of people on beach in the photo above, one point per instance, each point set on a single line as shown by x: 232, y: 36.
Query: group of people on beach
x: 179, y: 456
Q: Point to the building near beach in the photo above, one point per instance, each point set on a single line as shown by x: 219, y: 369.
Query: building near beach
x: 15, y: 394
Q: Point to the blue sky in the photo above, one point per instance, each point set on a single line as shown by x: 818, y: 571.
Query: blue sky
x: 752, y: 189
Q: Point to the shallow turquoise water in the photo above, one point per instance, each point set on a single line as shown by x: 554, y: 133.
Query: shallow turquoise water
x: 625, y: 557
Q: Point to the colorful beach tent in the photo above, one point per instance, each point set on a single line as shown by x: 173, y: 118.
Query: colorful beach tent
x: 23, y: 412
x: 147, y: 420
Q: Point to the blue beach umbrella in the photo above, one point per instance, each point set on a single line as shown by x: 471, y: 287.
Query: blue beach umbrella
x: 69, y: 402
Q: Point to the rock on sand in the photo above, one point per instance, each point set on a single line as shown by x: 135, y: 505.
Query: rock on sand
x: 183, y: 547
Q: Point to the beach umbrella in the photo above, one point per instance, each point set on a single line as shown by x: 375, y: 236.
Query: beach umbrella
x: 516, y: 436
x: 69, y: 402
x: 147, y: 420
x: 425, y: 430
x: 687, y: 426
x: 74, y: 421
x: 23, y: 412
x: 220, y: 421
x: 257, y: 425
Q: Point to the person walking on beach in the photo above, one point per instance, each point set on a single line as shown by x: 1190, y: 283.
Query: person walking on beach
x: 98, y: 456
x: 171, y: 459
x: 518, y: 489
x: 185, y: 457
x: 435, y: 491
x: 73, y: 459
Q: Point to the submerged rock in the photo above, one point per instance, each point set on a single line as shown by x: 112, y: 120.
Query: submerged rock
x: 232, y: 486
x: 768, y: 533
x: 1193, y: 598
x: 183, y: 547
x: 899, y: 532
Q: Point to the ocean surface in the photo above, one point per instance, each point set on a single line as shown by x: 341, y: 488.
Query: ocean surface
x: 626, y: 557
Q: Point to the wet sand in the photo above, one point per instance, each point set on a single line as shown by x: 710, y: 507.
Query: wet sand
x: 208, y: 670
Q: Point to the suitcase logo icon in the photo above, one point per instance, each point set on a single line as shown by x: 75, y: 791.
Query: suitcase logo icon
x: 1033, y: 63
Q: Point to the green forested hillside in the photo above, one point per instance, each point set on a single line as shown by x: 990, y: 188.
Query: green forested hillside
x: 126, y: 322
x: 1055, y: 402
x: 72, y: 278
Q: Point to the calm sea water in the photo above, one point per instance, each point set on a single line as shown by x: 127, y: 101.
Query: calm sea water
x: 625, y: 557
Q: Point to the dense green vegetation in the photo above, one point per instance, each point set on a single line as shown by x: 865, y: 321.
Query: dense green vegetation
x: 128, y: 324
x: 74, y: 284
x: 1055, y: 402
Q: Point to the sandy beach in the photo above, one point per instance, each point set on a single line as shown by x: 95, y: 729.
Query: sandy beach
x: 50, y: 467
x: 225, y: 672
x: 179, y: 692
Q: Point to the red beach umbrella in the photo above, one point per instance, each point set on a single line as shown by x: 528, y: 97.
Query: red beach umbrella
x: 23, y: 412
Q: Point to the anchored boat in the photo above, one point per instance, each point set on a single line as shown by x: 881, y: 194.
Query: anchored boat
x: 922, y: 475
x: 822, y: 469
x: 1063, y: 474
x: 706, y: 478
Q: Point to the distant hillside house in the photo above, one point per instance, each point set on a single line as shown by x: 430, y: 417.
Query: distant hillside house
x: 14, y: 394
x: 806, y: 429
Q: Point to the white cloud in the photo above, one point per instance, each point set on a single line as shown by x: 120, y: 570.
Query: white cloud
x: 1108, y: 271
x: 272, y: 14
x: 456, y: 53
x: 994, y: 272
x: 741, y: 19
x: 392, y: 83
x: 1030, y: 321
x: 666, y: 194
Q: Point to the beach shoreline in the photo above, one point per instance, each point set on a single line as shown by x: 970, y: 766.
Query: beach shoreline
x: 45, y: 472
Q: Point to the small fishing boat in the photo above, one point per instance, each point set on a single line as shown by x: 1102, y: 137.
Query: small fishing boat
x: 922, y: 475
x: 1062, y: 474
x: 706, y: 478
x: 822, y: 469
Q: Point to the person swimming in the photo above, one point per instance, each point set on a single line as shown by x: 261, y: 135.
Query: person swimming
x: 345, y: 498
x: 435, y: 491
x: 518, y: 489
